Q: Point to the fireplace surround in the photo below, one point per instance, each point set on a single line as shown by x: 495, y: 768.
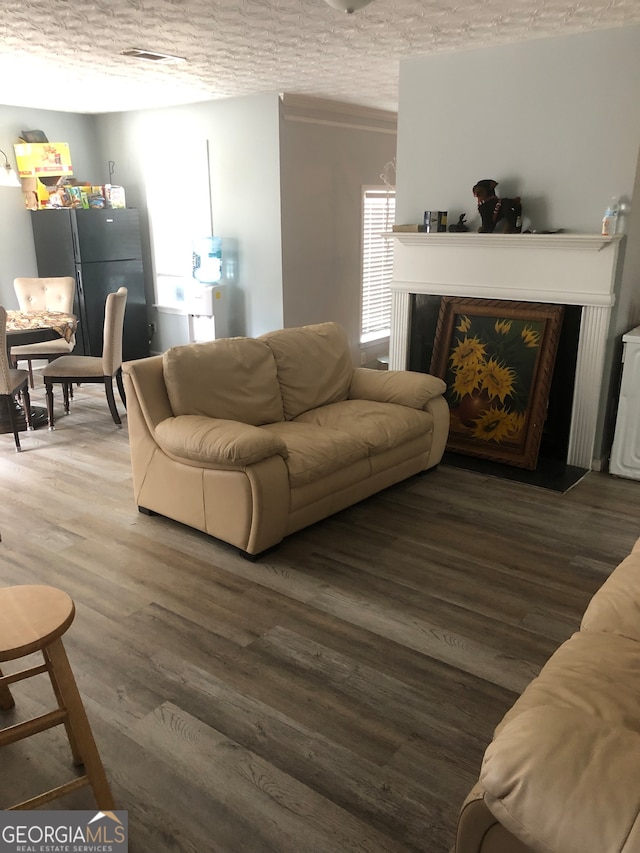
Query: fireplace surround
x: 566, y: 269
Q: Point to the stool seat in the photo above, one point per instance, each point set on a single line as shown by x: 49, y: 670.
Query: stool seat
x: 31, y: 618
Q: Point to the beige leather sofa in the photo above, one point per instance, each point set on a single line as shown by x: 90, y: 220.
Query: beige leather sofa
x: 562, y: 774
x: 251, y: 439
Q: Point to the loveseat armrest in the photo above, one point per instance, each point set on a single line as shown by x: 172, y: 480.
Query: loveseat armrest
x: 215, y: 443
x: 402, y: 387
x: 474, y: 821
x: 144, y: 379
x: 564, y: 779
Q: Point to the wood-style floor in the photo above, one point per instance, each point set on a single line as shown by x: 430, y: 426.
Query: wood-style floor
x: 336, y: 696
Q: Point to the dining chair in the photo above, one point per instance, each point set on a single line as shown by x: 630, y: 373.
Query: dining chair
x: 12, y: 382
x: 44, y: 294
x: 97, y: 369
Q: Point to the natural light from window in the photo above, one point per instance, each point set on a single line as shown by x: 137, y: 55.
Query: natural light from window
x: 378, y: 216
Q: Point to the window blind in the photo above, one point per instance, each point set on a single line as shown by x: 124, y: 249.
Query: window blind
x: 379, y: 207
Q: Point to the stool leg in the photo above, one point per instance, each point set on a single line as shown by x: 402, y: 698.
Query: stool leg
x: 73, y: 743
x: 72, y: 701
x: 6, y: 699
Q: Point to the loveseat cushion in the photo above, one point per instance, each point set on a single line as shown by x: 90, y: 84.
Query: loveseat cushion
x: 231, y: 379
x: 615, y: 608
x: 314, y: 366
x: 204, y: 441
x: 314, y: 451
x: 403, y: 387
x: 380, y: 426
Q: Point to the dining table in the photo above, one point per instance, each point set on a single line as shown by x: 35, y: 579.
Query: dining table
x: 28, y: 327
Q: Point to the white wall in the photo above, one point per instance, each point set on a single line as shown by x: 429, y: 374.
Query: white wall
x: 18, y: 255
x: 284, y: 195
x: 556, y: 121
x: 241, y: 135
x: 328, y: 153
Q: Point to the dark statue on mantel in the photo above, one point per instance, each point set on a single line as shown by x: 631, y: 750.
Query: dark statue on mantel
x: 459, y: 226
x: 498, y: 215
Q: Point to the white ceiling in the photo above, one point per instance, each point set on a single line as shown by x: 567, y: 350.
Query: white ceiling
x: 65, y: 54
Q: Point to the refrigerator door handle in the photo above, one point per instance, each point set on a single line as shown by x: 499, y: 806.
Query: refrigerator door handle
x: 74, y: 240
x: 79, y: 281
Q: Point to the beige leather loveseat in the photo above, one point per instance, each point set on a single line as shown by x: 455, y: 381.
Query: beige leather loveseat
x: 562, y: 774
x: 251, y: 439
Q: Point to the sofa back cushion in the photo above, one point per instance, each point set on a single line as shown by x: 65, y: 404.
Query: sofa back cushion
x: 234, y: 379
x: 314, y: 366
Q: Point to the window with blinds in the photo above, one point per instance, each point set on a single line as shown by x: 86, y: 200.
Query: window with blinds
x: 379, y: 208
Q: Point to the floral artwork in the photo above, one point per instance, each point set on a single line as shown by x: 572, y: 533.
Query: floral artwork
x: 497, y: 359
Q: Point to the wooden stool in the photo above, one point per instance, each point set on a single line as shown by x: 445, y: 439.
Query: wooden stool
x: 33, y: 619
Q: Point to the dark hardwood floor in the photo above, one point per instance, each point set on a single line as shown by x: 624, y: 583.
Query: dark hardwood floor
x: 335, y: 696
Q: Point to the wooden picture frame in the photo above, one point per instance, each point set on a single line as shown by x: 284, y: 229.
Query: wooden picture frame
x: 497, y: 358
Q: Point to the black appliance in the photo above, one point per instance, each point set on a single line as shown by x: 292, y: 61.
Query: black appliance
x: 102, y: 250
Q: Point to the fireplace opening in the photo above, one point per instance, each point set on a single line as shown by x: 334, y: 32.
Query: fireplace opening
x: 554, y: 446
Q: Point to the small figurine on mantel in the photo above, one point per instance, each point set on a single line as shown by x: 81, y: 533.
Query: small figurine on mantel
x: 460, y: 226
x: 498, y: 215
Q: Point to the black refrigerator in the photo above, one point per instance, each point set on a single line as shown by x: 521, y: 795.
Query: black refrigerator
x: 101, y: 249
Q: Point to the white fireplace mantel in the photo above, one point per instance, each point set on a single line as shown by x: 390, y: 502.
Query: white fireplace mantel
x: 566, y: 269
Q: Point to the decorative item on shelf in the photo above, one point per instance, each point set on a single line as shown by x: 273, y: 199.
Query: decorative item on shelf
x: 624, y: 209
x: 435, y: 220
x: 460, y: 226
x: 498, y: 215
x: 8, y: 177
x: 610, y: 218
x: 410, y: 227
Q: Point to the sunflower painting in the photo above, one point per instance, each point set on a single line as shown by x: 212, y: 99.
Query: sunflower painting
x: 497, y: 359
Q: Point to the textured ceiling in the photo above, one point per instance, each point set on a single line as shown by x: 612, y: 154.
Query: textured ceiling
x: 65, y: 54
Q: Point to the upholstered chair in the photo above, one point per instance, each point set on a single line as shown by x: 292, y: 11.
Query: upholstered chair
x: 44, y: 294
x: 12, y: 382
x: 86, y: 369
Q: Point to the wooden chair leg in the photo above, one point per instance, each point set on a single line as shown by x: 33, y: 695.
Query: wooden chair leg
x: 65, y: 397
x: 108, y: 387
x: 120, y: 384
x: 72, y: 701
x: 30, y: 369
x: 12, y: 420
x: 6, y: 699
x: 26, y: 407
x: 49, y: 390
x: 73, y: 743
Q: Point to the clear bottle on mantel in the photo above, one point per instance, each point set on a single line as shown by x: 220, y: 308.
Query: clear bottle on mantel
x: 624, y: 208
x: 610, y: 218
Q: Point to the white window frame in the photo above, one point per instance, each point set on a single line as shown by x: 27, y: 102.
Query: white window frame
x: 378, y: 216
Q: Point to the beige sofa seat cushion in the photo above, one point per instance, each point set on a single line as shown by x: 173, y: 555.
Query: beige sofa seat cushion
x: 76, y: 365
x: 395, y: 386
x: 596, y: 674
x: 314, y: 452
x: 380, y: 426
x: 231, y: 379
x: 314, y: 366
x: 615, y: 608
x: 207, y: 442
